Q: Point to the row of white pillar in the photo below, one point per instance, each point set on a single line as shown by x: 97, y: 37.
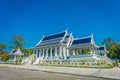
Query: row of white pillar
x: 75, y: 51
x: 92, y: 51
x: 103, y: 54
x: 58, y: 52
x: 55, y: 51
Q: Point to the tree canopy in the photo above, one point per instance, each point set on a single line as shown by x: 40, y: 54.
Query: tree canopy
x: 27, y: 51
x: 113, y: 47
x: 2, y: 46
x: 17, y: 42
x: 3, y: 55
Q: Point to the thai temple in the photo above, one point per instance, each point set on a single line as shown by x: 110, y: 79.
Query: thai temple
x: 63, y: 46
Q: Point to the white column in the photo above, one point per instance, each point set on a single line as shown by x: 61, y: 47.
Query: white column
x: 51, y: 53
x: 91, y: 52
x: 64, y: 52
x: 39, y: 53
x: 73, y: 52
x: 33, y: 52
x: 46, y: 52
x: 67, y: 52
x: 60, y: 51
x: 80, y: 51
x: 36, y: 53
x: 76, y: 52
x: 43, y: 52
x: 55, y: 51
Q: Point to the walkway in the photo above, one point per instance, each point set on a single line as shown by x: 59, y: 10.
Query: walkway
x: 113, y: 73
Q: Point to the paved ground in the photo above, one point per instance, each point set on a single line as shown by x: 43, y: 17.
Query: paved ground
x: 112, y: 73
x: 8, y: 73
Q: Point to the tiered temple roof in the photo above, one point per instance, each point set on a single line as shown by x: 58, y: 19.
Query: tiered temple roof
x: 62, y: 38
x: 54, y: 39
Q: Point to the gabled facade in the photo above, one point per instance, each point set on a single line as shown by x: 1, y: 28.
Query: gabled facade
x: 62, y: 46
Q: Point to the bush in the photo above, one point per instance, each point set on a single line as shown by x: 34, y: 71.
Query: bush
x: 116, y: 61
x: 5, y: 57
x: 111, y: 65
x: 101, y: 61
x: 84, y: 61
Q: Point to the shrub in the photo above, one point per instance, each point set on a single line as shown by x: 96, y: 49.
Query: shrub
x: 102, y: 61
x: 83, y: 61
x: 116, y: 61
x: 111, y: 65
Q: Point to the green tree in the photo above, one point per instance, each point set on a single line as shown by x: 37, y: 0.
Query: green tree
x: 27, y: 51
x: 5, y: 57
x: 113, y: 47
x: 2, y: 46
x: 17, y: 42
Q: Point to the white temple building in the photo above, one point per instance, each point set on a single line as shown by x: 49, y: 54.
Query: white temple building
x: 15, y: 54
x: 63, y: 46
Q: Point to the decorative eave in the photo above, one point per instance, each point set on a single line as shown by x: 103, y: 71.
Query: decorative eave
x: 92, y: 38
x: 66, y: 33
x: 71, y: 35
x: 39, y: 42
x: 96, y: 46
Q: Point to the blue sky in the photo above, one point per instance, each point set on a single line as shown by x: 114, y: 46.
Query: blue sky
x: 34, y: 18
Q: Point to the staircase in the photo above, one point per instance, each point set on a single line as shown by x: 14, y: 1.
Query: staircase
x: 28, y: 60
x: 37, y: 61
